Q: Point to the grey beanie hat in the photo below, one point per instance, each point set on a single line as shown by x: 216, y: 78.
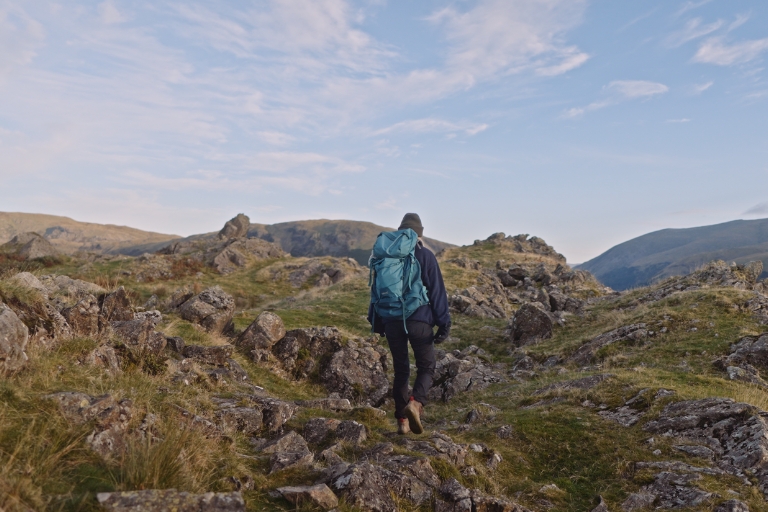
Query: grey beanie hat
x: 413, y: 221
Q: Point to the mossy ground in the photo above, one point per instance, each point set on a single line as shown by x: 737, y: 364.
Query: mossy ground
x: 44, y: 464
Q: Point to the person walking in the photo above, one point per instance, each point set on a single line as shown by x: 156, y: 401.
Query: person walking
x: 417, y: 329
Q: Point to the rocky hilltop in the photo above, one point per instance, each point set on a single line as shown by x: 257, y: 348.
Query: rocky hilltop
x: 224, y: 374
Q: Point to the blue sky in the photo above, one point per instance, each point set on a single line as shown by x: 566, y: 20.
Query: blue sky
x: 583, y: 122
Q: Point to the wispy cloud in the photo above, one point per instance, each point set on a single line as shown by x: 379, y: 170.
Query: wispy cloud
x: 619, y: 91
x: 700, y: 88
x: 691, y: 5
x: 717, y: 50
x: 428, y: 125
x: 683, y: 120
x: 694, y: 29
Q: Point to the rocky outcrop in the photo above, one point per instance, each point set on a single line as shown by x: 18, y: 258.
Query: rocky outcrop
x: 236, y: 227
x: 110, y: 418
x: 461, y: 371
x: 115, y: 306
x: 737, y: 434
x: 586, y: 352
x: 29, y: 246
x: 319, y: 496
x: 83, y: 317
x: 66, y: 287
x: 358, y: 372
x: 14, y: 336
x: 258, y: 338
x: 212, y: 309
x: 669, y: 490
x: 139, y: 335
x: 530, y: 324
x: 170, y: 499
x: 370, y: 487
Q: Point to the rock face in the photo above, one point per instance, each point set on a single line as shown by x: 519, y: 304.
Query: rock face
x: 370, y: 487
x: 358, y: 372
x: 259, y: 338
x: 530, y: 324
x: 30, y: 246
x: 736, y: 432
x: 83, y: 317
x: 170, y: 499
x: 13, y: 340
x: 461, y: 371
x: 111, y: 419
x: 140, y: 335
x: 586, y: 352
x: 669, y: 490
x: 236, y: 227
x: 316, y: 495
x: 213, y: 309
x: 116, y: 307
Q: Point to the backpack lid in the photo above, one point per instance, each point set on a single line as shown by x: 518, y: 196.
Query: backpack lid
x: 395, y: 244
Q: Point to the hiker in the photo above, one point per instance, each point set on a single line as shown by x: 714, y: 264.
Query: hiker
x: 401, y: 325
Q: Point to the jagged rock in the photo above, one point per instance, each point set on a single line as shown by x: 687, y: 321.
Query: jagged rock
x: 696, y: 451
x: 454, y: 497
x: 288, y: 451
x: 111, y: 418
x: 83, y: 317
x: 583, y: 383
x: 259, y: 338
x: 106, y: 357
x: 316, y: 495
x: 440, y: 446
x: 328, y: 404
x: 140, y: 335
x: 217, y: 355
x: 170, y: 499
x: 624, y: 416
x: 30, y: 246
x: 601, y: 507
x: 473, y: 302
x: 749, y: 350
x: 236, y: 227
x: 213, y: 309
x: 14, y: 336
x: 736, y: 432
x: 732, y: 506
x: 586, y: 352
x: 153, y: 315
x: 317, y: 430
x: 178, y: 297
x: 669, y: 490
x: 351, y: 432
x: 462, y: 371
x: 115, y: 307
x: 358, y: 372
x: 370, y: 487
x: 175, y: 343
x: 28, y: 280
x: 529, y: 325
x: 247, y: 420
x: 74, y: 288
x: 505, y: 432
x: 715, y: 273
x: 301, y: 350
x: 746, y: 373
x: 275, y: 412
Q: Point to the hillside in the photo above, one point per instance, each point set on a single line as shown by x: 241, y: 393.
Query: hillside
x: 321, y: 237
x: 262, y: 388
x: 70, y: 236
x: 670, y: 252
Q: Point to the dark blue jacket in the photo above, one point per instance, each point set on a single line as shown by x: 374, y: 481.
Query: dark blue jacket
x: 436, y: 312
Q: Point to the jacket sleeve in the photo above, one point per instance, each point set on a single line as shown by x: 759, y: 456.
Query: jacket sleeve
x: 438, y: 298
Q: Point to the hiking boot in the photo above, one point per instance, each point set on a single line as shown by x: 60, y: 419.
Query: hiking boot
x: 402, y: 426
x: 413, y: 412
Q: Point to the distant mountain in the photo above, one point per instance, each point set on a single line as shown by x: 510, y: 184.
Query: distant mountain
x: 70, y: 236
x: 670, y: 252
x: 341, y: 238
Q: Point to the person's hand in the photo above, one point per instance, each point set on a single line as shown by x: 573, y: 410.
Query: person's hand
x: 443, y: 332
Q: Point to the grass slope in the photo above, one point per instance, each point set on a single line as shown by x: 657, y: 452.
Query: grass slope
x: 45, y: 465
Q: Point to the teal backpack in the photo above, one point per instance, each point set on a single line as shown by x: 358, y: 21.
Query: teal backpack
x: 395, y: 276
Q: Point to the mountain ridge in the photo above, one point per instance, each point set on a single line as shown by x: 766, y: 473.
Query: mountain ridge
x: 669, y: 252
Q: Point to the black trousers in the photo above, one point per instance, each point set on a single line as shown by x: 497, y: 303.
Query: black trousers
x: 420, y: 336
